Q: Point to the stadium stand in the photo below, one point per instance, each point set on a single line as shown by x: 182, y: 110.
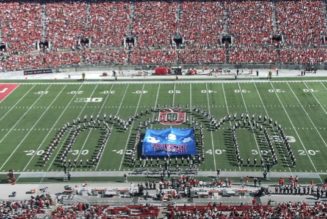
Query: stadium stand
x: 66, y: 22
x: 154, y: 23
x: 171, y: 200
x: 38, y: 34
x: 303, y: 55
x: 81, y: 210
x: 153, y: 56
x: 20, y: 25
x: 201, y: 23
x: 202, y: 56
x: 301, y: 22
x: 39, y: 207
x: 109, y: 23
x: 248, y: 54
x: 27, y: 208
x: 283, y: 210
x: 250, y: 22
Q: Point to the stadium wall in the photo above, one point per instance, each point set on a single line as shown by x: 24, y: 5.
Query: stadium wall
x: 187, y: 66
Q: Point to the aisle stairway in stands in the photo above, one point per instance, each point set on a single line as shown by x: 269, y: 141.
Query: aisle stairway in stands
x: 88, y: 15
x: 130, y: 28
x: 0, y: 33
x: 226, y: 19
x: 44, y: 21
x: 179, y: 12
x: 325, y: 12
x: 131, y: 17
x: 226, y: 31
x: 227, y: 54
x: 274, y: 20
x: 275, y: 28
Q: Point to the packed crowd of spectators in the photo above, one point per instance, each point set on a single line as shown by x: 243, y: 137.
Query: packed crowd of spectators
x: 109, y: 23
x: 154, y: 23
x: 250, y: 54
x: 66, y: 23
x: 202, y: 56
x: 304, y: 55
x: 301, y: 22
x: 26, y: 208
x: 20, y: 24
x: 40, y: 206
x: 81, y: 210
x: 104, y: 56
x: 201, y: 23
x: 41, y: 60
x: 250, y: 21
x: 157, y: 56
x: 283, y: 210
x: 97, y: 31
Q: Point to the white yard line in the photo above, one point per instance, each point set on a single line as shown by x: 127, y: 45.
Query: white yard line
x: 307, y: 114
x: 79, y: 115
x: 266, y: 111
x: 306, y: 151
x: 118, y: 110
x: 247, y: 111
x: 227, y: 108
x: 155, y: 103
x: 26, y: 112
x: 321, y: 84
x: 12, y: 107
x: 211, y: 134
x: 314, y: 96
x: 27, y: 134
x: 90, y: 131
x: 84, y: 144
x: 174, y: 94
x: 52, y: 128
x: 131, y: 129
x: 190, y: 96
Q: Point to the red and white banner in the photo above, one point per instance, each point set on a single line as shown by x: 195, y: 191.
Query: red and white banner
x: 6, y: 89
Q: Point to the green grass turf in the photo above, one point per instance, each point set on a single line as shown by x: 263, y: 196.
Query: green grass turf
x: 32, y: 114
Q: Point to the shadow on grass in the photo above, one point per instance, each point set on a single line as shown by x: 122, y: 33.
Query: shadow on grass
x: 55, y: 179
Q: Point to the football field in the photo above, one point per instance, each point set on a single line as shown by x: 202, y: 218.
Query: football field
x: 31, y: 114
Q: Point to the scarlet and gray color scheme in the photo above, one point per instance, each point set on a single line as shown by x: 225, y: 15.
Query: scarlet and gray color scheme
x: 172, y: 117
x: 6, y: 89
